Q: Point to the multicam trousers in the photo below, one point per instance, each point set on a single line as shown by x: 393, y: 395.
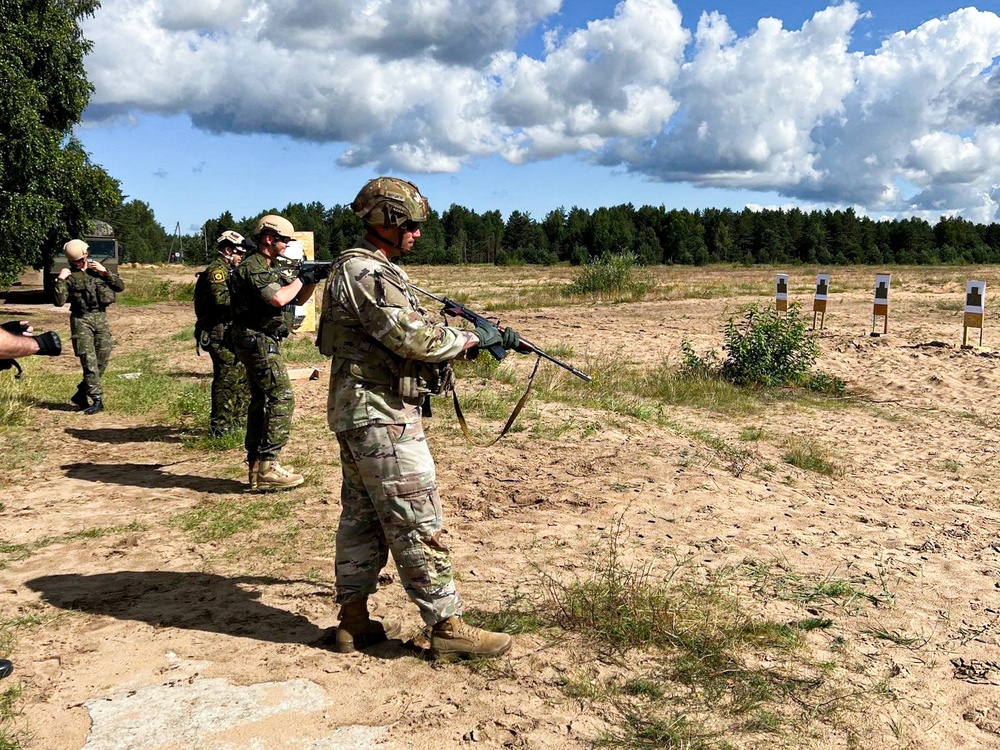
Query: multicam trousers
x: 269, y: 415
x: 230, y: 394
x: 389, y: 501
x: 92, y: 344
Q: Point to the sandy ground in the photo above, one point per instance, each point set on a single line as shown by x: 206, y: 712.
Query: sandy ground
x: 148, y: 639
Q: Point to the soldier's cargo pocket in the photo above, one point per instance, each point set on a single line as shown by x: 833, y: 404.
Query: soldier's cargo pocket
x: 76, y: 346
x: 411, y: 502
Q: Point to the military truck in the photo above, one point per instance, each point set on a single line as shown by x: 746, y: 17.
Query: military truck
x: 103, y: 247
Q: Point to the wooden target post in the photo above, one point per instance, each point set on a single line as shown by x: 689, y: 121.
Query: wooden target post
x: 975, y: 307
x: 781, y: 292
x: 819, y: 298
x: 881, y: 302
x: 307, y: 311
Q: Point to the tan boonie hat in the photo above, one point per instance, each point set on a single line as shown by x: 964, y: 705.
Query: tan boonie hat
x: 233, y: 238
x: 75, y: 249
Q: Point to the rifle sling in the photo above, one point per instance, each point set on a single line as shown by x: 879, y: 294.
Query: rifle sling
x: 510, y: 419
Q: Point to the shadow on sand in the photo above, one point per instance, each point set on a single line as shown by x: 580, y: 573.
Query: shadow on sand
x: 189, y: 600
x: 121, y: 435
x: 151, y: 476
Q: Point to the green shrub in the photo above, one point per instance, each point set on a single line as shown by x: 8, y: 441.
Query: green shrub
x: 612, y: 276
x: 764, y: 347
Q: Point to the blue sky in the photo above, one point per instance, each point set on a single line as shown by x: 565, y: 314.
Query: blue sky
x: 203, y: 106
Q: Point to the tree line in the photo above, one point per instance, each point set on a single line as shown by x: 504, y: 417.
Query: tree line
x: 654, y: 235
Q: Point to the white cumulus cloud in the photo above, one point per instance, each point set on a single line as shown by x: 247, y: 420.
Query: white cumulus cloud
x: 432, y: 85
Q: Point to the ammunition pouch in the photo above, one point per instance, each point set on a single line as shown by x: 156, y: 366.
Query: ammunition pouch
x: 326, y: 337
x: 105, y: 294
x: 417, y: 380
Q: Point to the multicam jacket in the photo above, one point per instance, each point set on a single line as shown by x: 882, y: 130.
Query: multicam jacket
x: 373, y: 327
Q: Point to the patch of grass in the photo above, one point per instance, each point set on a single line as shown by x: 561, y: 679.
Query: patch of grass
x: 950, y: 465
x: 219, y: 519
x: 11, y: 552
x: 735, y: 459
x: 897, y: 637
x: 949, y: 306
x: 807, y: 591
x: 203, y: 441
x: 139, y: 384
x: 809, y: 454
x: 12, y: 737
x: 18, y: 452
x: 752, y: 434
x: 516, y: 615
x: 639, y: 728
x: 142, y: 288
x: 185, y: 334
x: 300, y: 349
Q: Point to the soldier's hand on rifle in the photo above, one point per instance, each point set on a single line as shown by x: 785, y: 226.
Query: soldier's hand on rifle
x: 488, y: 335
x: 510, y: 339
x: 313, y: 274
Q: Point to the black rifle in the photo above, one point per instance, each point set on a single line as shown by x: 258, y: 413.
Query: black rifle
x: 457, y: 310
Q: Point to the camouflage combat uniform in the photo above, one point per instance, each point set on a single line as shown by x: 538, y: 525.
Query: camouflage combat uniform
x: 212, y: 332
x: 384, y: 347
x: 257, y: 331
x: 89, y: 293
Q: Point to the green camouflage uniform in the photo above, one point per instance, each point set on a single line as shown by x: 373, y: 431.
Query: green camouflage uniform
x: 89, y: 293
x: 257, y: 331
x: 383, y: 347
x: 212, y: 332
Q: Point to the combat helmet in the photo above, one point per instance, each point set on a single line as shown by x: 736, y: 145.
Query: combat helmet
x: 277, y: 224
x: 232, y: 238
x: 75, y: 249
x: 390, y: 202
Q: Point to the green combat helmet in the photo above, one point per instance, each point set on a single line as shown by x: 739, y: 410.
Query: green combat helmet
x: 390, y: 202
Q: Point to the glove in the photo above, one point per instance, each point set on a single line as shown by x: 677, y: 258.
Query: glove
x: 16, y: 327
x: 488, y: 334
x: 313, y: 274
x: 49, y: 344
x: 510, y: 339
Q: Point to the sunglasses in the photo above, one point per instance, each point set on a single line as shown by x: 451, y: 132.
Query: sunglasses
x: 410, y: 226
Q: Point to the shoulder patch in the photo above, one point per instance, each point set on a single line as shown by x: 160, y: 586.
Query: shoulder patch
x: 218, y: 276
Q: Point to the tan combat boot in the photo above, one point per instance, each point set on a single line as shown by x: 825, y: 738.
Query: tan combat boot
x: 358, y: 630
x: 271, y: 476
x: 454, y: 637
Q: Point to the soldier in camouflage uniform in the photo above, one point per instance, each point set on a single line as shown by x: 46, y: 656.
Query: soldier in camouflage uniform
x: 214, y: 318
x: 89, y: 288
x: 264, y: 291
x: 388, y: 354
